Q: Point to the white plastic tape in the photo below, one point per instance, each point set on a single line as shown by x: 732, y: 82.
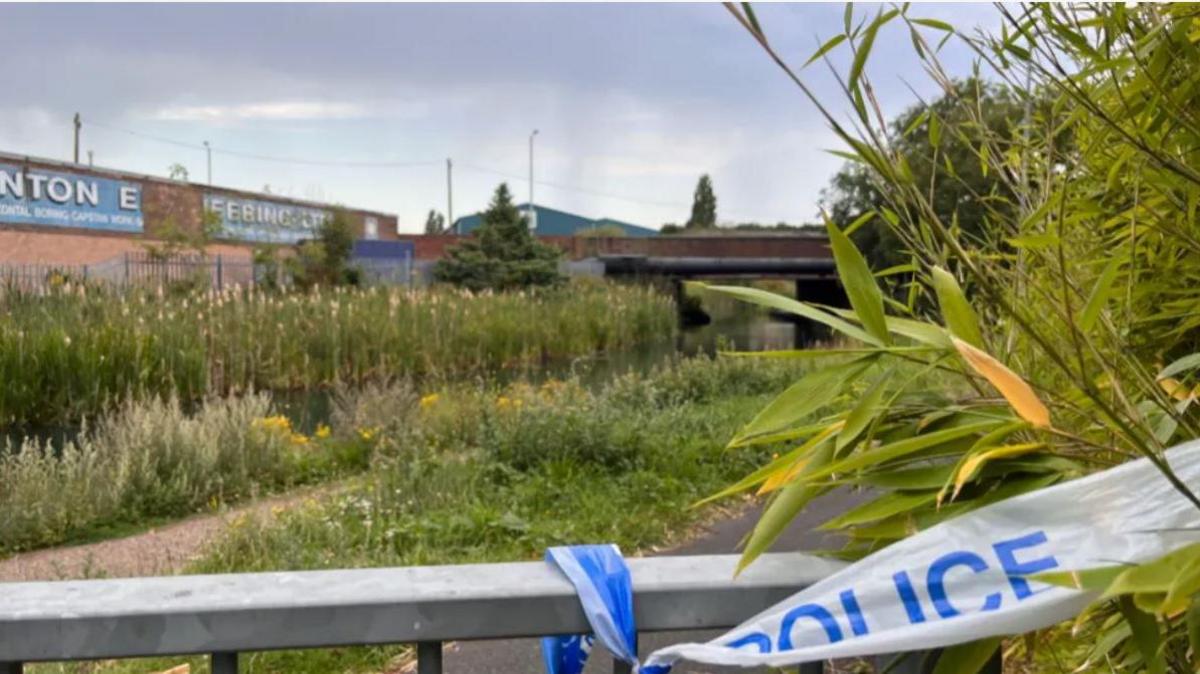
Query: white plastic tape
x: 966, y: 578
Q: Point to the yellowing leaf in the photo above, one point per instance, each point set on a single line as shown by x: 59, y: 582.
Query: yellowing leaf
x: 1012, y: 387
x: 782, y: 477
x: 974, y: 462
x: 1176, y: 389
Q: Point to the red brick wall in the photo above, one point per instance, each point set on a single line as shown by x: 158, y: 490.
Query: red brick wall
x: 38, y: 246
x: 164, y: 203
x: 577, y: 247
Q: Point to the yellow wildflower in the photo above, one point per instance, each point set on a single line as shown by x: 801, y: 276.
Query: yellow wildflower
x: 367, y: 434
x: 429, y: 401
x: 298, y: 439
x: 275, y: 423
x: 322, y: 432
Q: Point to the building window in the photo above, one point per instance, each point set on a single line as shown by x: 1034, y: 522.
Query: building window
x: 371, y: 228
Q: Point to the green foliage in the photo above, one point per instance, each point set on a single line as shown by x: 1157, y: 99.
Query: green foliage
x: 151, y: 460
x: 503, y: 254
x: 435, y: 223
x: 325, y: 261
x: 963, y: 191
x: 1050, y: 226
x: 704, y: 206
x: 78, y: 351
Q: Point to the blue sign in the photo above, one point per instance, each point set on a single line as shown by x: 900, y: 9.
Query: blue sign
x: 264, y: 221
x: 30, y: 196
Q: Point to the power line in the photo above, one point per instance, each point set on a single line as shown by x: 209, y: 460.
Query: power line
x: 270, y: 158
x: 395, y: 164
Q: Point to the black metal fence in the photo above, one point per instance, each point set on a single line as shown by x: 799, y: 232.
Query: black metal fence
x: 188, y: 272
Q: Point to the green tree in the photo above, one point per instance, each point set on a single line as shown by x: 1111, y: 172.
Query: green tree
x: 964, y: 191
x: 435, y: 223
x: 177, y: 172
x: 704, y: 205
x: 326, y: 259
x: 502, y: 255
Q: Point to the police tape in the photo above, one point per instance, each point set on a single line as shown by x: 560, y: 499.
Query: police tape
x: 967, y: 578
x: 961, y: 580
x: 602, y: 583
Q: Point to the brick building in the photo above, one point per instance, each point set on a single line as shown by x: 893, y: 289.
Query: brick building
x: 61, y: 213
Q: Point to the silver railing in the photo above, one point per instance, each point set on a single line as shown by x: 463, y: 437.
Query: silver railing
x: 225, y: 615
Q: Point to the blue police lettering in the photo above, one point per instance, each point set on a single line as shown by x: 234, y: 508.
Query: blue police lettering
x: 854, y: 613
x: 1006, y: 553
x: 935, y: 580
x: 814, y: 611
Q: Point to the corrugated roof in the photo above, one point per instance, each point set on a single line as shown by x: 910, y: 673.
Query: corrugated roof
x: 553, y: 222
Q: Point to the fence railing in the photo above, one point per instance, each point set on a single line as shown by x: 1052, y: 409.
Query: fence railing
x: 225, y: 615
x: 215, y: 272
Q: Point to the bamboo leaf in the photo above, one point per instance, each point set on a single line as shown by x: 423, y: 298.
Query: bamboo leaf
x: 881, y: 508
x: 1099, y: 295
x: 863, y: 413
x: 1185, y: 364
x: 934, y: 23
x: 935, y: 131
x: 782, y: 510
x: 970, y: 467
x: 968, y: 658
x: 791, y: 306
x: 1087, y: 580
x: 749, y: 11
x: 833, y: 42
x: 782, y: 477
x: 1012, y: 387
x: 895, y: 450
x: 858, y: 222
x: 960, y: 318
x: 1145, y: 635
x: 801, y: 399
x: 861, y: 288
x: 864, y: 47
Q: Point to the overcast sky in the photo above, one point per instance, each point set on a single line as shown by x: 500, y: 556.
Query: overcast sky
x: 633, y: 102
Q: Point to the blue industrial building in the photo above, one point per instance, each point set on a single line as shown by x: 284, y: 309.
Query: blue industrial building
x: 553, y: 222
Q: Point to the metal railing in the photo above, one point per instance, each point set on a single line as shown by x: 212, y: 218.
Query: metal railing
x: 225, y: 615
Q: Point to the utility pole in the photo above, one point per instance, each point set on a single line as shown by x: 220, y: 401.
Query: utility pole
x: 90, y: 162
x: 450, y: 196
x: 532, y: 211
x: 208, y: 153
x: 78, y: 125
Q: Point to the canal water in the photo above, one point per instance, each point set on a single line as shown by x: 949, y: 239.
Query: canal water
x: 742, y: 331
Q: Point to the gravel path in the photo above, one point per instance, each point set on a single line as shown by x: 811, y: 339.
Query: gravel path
x: 164, y: 550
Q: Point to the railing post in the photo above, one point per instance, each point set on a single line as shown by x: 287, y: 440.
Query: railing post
x: 813, y: 667
x: 429, y: 657
x: 224, y: 663
x: 11, y: 668
x: 622, y: 667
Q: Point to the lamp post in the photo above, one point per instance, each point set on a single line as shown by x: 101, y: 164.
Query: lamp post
x: 532, y: 211
x: 208, y: 154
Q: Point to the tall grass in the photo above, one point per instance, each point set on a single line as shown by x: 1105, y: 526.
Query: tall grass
x: 483, y: 473
x: 77, y: 350
x: 152, y: 460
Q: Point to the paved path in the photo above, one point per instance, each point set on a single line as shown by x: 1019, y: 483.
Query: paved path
x: 163, y: 550
x: 523, y: 656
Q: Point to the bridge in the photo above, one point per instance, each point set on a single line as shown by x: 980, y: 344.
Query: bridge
x: 804, y: 258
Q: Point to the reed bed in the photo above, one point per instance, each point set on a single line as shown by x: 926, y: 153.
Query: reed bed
x: 76, y: 351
